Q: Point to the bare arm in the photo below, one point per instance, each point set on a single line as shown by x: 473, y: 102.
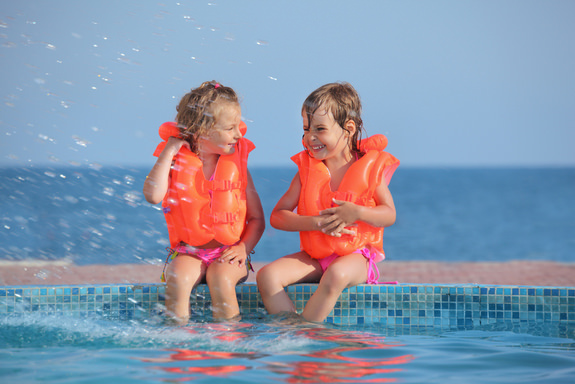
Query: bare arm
x: 156, y: 184
x: 283, y: 216
x: 254, y: 228
x: 255, y: 218
x: 346, y: 213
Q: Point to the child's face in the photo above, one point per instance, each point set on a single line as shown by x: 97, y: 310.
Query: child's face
x: 324, y: 138
x: 225, y: 133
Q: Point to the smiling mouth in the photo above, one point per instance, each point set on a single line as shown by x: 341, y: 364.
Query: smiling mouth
x: 317, y: 147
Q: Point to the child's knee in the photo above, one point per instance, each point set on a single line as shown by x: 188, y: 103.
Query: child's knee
x: 336, y: 279
x: 266, y: 276
x: 219, y: 280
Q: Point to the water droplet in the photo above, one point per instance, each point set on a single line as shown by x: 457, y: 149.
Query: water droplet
x: 71, y: 199
x: 132, y: 198
x: 81, y: 142
x: 108, y: 226
x: 20, y: 220
x: 42, y: 274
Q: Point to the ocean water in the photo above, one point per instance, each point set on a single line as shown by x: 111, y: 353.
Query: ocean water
x: 98, y: 215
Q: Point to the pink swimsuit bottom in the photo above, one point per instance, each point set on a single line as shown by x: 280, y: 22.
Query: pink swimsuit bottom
x: 206, y: 255
x: 370, y: 255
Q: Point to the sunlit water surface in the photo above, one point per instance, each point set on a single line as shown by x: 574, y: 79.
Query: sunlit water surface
x: 257, y: 349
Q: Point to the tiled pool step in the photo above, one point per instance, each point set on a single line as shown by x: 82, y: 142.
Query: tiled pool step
x: 403, y: 304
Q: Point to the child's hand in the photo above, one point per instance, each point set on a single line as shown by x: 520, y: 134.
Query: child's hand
x: 173, y: 146
x: 335, y: 220
x: 235, y: 254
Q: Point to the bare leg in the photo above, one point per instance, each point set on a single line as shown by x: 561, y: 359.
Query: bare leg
x: 344, y: 272
x: 222, y: 279
x: 274, y: 277
x: 184, y: 274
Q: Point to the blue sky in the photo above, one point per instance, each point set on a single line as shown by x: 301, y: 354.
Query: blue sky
x: 451, y: 83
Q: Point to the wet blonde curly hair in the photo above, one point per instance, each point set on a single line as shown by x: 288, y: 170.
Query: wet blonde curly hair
x: 198, y: 109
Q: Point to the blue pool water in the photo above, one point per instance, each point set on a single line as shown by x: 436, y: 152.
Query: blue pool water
x: 262, y: 349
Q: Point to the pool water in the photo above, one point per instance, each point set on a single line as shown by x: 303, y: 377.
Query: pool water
x: 262, y: 349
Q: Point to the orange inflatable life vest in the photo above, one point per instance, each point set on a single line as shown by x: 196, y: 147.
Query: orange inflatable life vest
x: 358, y: 186
x: 199, y: 210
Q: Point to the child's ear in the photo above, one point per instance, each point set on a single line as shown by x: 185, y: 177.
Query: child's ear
x: 350, y: 127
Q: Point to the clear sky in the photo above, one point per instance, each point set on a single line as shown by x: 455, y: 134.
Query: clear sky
x: 451, y: 83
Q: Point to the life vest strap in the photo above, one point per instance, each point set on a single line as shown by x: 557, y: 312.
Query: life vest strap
x: 344, y: 196
x: 224, y: 217
x: 350, y: 196
x: 224, y: 185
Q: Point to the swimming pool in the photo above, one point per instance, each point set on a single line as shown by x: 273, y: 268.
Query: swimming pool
x: 410, y: 333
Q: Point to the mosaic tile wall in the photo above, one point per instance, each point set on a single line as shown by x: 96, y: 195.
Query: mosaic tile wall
x: 420, y: 305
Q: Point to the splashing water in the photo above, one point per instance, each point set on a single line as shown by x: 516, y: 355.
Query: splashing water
x: 273, y: 348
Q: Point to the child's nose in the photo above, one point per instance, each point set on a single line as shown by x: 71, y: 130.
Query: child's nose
x: 311, y: 136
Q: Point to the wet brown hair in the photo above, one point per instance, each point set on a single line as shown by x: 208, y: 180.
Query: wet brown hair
x: 198, y: 109
x: 342, y: 100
